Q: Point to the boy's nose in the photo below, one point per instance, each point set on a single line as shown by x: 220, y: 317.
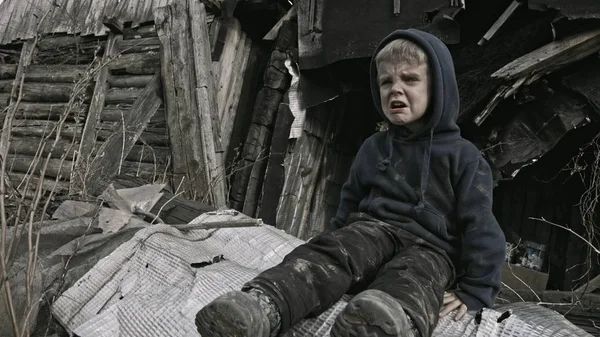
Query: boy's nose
x: 397, y: 88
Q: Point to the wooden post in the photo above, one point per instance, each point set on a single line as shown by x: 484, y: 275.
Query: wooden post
x: 113, y: 152
x: 88, y: 137
x: 189, y: 107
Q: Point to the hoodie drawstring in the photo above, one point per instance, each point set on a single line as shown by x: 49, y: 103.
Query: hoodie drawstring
x: 382, y: 165
x: 425, y: 174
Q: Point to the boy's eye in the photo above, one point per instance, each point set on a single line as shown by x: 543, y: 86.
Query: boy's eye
x: 384, y: 82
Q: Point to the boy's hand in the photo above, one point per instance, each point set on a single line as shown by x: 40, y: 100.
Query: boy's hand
x: 451, y: 303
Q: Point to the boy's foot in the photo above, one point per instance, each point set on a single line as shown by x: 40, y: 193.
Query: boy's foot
x: 373, y: 313
x: 237, y: 313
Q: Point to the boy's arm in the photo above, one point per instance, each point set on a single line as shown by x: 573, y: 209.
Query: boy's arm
x: 483, y: 242
x: 352, y: 193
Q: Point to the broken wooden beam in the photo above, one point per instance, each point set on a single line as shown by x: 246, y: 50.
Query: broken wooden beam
x: 552, y: 56
x: 88, y: 137
x: 500, y: 22
x: 111, y: 154
x: 540, y: 62
x: 188, y: 105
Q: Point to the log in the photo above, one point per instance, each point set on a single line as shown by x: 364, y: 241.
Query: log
x: 105, y: 165
x: 189, y: 130
x: 129, y: 81
x: 122, y: 95
x: 49, y: 111
x: 51, y: 92
x: 88, y: 138
x: 150, y: 136
x: 56, y: 73
x: 136, y: 63
x: 51, y: 43
x: 28, y: 146
x: 8, y: 71
x: 6, y: 86
x: 116, y: 115
x: 18, y: 180
x: 4, y: 101
x: 141, y: 45
x: 258, y: 168
x: 24, y: 164
x: 149, y: 154
x: 38, y: 128
x: 147, y: 171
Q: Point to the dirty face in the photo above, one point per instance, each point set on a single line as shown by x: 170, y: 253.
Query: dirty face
x: 404, y: 92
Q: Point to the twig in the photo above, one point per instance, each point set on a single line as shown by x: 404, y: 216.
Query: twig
x: 591, y: 245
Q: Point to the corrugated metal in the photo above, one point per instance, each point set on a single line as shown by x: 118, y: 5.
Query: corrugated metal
x: 20, y: 19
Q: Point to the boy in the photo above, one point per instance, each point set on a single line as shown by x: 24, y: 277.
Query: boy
x: 414, y: 226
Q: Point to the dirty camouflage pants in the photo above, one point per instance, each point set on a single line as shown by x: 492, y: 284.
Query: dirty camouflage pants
x: 366, y: 254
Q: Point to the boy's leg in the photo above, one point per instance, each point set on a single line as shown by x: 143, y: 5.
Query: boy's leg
x: 417, y: 278
x: 317, y: 274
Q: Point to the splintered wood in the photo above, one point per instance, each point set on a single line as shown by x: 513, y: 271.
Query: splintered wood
x: 545, y: 60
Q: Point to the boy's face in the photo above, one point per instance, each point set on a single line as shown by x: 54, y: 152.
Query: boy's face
x: 404, y: 92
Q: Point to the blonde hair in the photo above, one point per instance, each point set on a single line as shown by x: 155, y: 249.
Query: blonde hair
x: 400, y: 50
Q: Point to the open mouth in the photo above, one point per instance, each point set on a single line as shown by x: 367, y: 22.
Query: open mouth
x: 397, y: 105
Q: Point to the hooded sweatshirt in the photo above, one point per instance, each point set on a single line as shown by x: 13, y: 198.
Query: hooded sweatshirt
x: 433, y: 183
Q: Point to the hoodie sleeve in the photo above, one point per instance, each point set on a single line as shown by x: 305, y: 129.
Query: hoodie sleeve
x: 353, y: 191
x: 483, y: 242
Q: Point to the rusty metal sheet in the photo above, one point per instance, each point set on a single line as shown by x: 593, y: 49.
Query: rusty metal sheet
x: 576, y: 9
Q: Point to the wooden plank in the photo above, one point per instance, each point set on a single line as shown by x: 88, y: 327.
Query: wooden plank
x: 210, y: 120
x: 141, y: 45
x: 189, y: 140
x: 56, y: 73
x: 552, y: 56
x: 8, y: 71
x: 136, y: 63
x: 88, y: 138
x: 109, y: 157
x: 222, y: 68
x: 229, y: 117
x: 500, y: 22
x: 150, y: 137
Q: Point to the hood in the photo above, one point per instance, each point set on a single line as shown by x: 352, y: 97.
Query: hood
x: 444, y: 100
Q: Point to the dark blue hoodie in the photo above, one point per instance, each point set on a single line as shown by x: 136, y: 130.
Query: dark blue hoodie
x: 434, y: 183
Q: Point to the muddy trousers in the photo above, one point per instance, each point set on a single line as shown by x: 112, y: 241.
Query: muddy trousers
x: 362, y: 255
